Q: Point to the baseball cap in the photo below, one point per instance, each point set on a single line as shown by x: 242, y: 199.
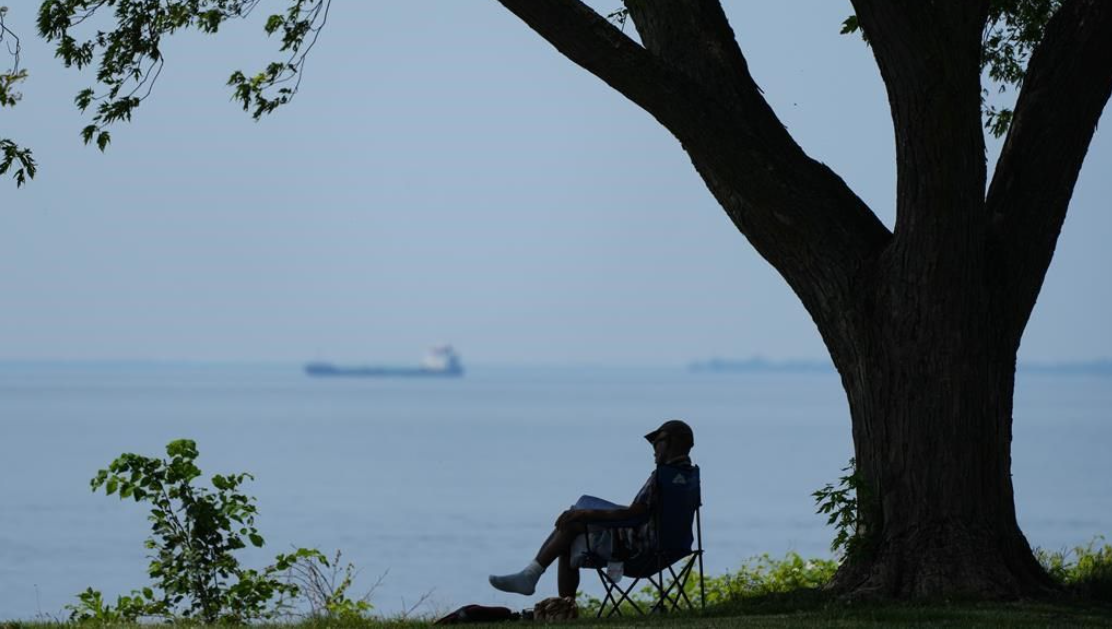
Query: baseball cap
x: 675, y: 429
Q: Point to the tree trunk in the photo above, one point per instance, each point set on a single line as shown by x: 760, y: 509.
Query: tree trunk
x: 924, y: 322
x: 931, y: 403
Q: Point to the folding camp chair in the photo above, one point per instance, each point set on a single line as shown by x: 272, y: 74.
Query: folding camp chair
x: 678, y: 505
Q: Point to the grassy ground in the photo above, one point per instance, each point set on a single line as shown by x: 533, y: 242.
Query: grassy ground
x: 777, y: 614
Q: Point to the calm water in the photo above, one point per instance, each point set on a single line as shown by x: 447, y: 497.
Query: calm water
x: 439, y: 483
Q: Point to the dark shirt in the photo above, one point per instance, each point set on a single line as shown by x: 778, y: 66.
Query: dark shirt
x: 635, y: 540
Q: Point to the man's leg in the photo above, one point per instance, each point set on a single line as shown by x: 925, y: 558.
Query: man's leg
x: 567, y: 577
x: 557, y: 545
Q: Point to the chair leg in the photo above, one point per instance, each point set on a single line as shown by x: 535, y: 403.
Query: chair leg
x: 625, y: 597
x: 686, y: 576
x: 667, y: 602
x: 660, y: 586
x: 678, y: 583
x: 615, y: 602
x: 609, y: 586
x: 658, y: 583
x: 670, y: 596
x: 702, y: 584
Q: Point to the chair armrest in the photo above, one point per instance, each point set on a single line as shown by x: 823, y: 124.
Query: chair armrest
x: 591, y: 503
x: 618, y: 524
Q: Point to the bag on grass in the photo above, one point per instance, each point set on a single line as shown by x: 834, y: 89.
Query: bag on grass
x: 478, y: 613
x: 556, y: 608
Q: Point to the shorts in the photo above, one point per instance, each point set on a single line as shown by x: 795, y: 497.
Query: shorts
x: 602, y: 546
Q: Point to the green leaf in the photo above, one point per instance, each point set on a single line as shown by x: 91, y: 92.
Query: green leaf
x: 84, y: 98
x: 184, y: 448
x: 850, y: 25
x: 274, y: 23
x: 87, y: 135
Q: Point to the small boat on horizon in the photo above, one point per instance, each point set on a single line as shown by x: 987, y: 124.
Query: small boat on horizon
x: 441, y: 361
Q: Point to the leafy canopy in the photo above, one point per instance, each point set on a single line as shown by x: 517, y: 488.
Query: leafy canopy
x: 128, y: 57
x: 10, y: 152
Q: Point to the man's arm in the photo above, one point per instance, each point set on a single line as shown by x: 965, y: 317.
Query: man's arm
x: 587, y: 516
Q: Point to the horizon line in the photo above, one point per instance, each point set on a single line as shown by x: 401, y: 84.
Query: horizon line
x: 756, y: 363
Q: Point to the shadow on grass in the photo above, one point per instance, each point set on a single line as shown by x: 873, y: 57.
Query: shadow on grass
x: 803, y: 608
x: 815, y: 608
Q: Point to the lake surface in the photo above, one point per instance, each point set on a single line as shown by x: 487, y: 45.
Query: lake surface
x: 438, y: 483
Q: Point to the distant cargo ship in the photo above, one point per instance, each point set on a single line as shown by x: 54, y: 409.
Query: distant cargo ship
x: 441, y: 361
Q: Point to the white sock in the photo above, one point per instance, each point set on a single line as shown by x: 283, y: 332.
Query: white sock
x: 524, y: 582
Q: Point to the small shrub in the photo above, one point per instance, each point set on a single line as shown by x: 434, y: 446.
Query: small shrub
x: 195, y: 532
x: 1085, y: 571
x: 758, y: 577
x: 845, y: 505
x: 764, y: 575
x: 324, y: 585
x: 128, y: 609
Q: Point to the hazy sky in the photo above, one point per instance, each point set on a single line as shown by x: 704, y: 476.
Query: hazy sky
x: 444, y: 175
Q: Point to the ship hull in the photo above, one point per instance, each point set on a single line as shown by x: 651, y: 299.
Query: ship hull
x: 328, y: 370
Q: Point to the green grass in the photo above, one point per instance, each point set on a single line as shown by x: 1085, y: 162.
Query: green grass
x: 797, y: 610
x: 775, y: 593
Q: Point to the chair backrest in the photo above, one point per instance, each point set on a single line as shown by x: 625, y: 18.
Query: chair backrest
x: 680, y: 496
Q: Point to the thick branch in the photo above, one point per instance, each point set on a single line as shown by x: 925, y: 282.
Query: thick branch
x: 691, y: 76
x: 929, y: 57
x: 1068, y: 83
x: 696, y: 39
x: 588, y: 39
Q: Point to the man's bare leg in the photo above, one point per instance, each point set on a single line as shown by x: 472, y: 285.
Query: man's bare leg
x: 567, y: 577
x: 558, y: 545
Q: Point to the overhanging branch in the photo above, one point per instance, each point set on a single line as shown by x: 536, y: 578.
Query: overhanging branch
x: 696, y: 39
x: 596, y: 45
x: 1068, y: 83
x: 692, y: 77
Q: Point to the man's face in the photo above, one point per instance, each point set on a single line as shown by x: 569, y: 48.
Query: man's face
x: 660, y: 448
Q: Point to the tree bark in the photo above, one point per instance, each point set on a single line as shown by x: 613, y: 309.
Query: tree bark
x: 932, y: 401
x: 932, y: 429
x: 923, y: 323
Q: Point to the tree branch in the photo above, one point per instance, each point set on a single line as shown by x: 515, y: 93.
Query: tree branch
x: 1068, y: 83
x: 691, y: 76
x: 696, y: 39
x: 596, y: 45
x: 929, y: 56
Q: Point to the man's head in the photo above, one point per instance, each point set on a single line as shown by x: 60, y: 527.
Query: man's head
x: 674, y: 438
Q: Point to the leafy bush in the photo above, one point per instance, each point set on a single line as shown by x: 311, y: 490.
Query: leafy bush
x: 844, y: 504
x: 757, y: 577
x: 764, y: 575
x: 128, y: 609
x: 1084, y: 570
x: 325, y: 586
x: 195, y: 532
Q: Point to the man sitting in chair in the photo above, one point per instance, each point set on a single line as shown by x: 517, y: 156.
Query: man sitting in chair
x: 672, y: 444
